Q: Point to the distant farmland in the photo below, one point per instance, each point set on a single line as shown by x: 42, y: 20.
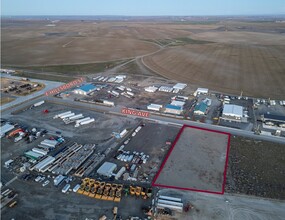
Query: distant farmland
x: 226, y: 56
x: 256, y: 70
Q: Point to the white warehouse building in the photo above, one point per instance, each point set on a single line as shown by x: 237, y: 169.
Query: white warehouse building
x: 232, y: 112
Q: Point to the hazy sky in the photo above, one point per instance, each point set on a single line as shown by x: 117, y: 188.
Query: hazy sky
x: 142, y: 7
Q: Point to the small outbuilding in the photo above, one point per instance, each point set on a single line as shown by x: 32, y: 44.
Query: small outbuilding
x: 107, y: 169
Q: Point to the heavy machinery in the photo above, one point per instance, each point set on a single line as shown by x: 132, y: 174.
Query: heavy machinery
x: 112, y: 192
x: 100, y: 190
x: 115, y: 212
x: 149, y: 192
x: 118, y: 193
x: 138, y: 190
x: 132, y: 190
x: 143, y: 193
x: 106, y: 191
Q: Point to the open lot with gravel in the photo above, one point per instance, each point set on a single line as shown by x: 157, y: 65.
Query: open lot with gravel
x: 256, y: 168
x: 196, y: 162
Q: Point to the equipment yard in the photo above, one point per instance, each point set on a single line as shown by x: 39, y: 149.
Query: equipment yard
x: 197, y: 161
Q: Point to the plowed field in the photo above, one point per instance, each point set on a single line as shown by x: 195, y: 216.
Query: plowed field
x: 256, y: 70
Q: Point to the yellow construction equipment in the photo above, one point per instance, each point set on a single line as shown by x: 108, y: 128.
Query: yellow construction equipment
x: 132, y: 190
x: 106, y: 191
x: 138, y: 190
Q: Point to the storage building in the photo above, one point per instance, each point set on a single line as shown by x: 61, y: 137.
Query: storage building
x: 6, y: 128
x: 151, y: 89
x: 107, y: 169
x: 180, y: 86
x: 33, y: 155
x: 154, y: 107
x: 200, y: 109
x: 201, y: 91
x: 232, y: 112
x: 172, y: 109
x: 273, y: 118
x: 177, y: 103
x: 84, y: 90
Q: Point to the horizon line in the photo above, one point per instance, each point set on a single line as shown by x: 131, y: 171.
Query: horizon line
x: 117, y: 15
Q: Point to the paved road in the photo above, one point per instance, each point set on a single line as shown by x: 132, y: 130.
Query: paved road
x: 157, y: 118
x: 21, y: 99
x: 229, y: 207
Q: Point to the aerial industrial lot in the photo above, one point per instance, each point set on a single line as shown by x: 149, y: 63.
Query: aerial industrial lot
x: 164, y: 119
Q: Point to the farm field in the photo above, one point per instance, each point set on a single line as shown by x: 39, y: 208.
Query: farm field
x: 227, y: 56
x: 254, y: 69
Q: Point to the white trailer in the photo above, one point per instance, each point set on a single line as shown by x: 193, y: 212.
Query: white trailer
x: 73, y: 118
x: 81, y: 120
x: 67, y: 115
x: 138, y: 129
x: 180, y: 204
x: 65, y: 188
x: 177, y: 208
x: 40, y: 151
x: 130, y: 93
x: 85, y: 122
x: 61, y: 114
x: 170, y: 198
x: 123, y: 133
x: 115, y: 93
x: 39, y: 103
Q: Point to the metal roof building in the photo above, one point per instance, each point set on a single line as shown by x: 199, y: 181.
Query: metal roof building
x: 6, y: 128
x: 232, y: 112
x: 275, y: 118
x: 154, y: 107
x: 178, y: 103
x: 201, y: 91
x: 84, y: 90
x: 107, y: 169
x: 180, y: 86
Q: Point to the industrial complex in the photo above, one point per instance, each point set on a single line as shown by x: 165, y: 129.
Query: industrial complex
x: 124, y: 137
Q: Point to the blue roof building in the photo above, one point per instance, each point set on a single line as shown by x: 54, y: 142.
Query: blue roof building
x: 201, y: 108
x: 173, y: 109
x: 84, y: 90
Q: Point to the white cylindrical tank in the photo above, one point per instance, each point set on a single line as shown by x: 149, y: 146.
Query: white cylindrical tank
x: 120, y: 173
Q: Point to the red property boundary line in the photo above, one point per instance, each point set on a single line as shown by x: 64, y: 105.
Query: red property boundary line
x: 170, y: 151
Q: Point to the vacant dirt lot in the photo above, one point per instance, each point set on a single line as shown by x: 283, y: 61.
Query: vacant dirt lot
x: 197, y: 161
x: 256, y: 70
x: 256, y: 168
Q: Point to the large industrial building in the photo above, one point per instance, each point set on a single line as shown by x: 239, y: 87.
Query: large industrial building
x: 273, y: 118
x: 84, y: 90
x: 232, y: 113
